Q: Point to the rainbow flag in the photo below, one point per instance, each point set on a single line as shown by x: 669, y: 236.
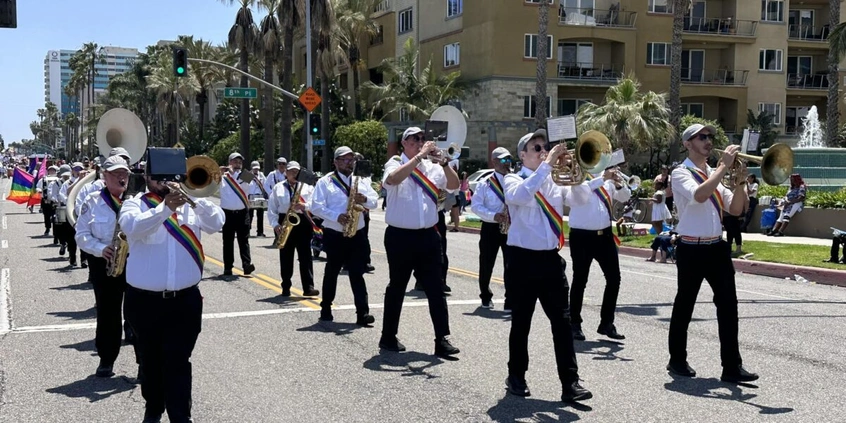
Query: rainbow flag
x: 23, y: 189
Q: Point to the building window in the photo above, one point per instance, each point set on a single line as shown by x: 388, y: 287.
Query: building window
x: 772, y: 10
x: 452, y: 54
x: 530, y: 46
x: 657, y: 53
x: 660, y: 6
x: 454, y: 7
x: 404, y: 115
x: 770, y: 60
x: 570, y: 106
x: 379, y: 38
x: 405, y: 21
x: 529, y: 107
x: 773, y: 109
x: 695, y: 109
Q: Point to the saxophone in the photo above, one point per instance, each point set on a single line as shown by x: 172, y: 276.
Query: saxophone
x: 353, y: 211
x: 116, y: 266
x: 504, y: 225
x: 291, y: 219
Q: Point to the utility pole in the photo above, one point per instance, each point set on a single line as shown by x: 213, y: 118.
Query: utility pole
x: 309, y: 83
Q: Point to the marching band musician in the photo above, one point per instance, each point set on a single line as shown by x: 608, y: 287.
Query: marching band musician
x: 67, y: 228
x: 277, y: 175
x: 411, y: 241
x: 163, y: 301
x: 366, y: 179
x: 47, y: 208
x: 257, y: 190
x: 235, y: 204
x: 701, y: 252
x: 54, y: 188
x: 488, y: 203
x: 300, y: 238
x: 97, y: 185
x: 591, y: 238
x: 95, y: 231
x: 536, y: 204
x: 330, y: 202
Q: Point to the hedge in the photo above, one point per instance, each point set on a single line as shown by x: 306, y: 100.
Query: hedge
x: 369, y: 137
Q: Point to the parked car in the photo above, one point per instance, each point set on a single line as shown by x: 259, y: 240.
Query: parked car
x: 479, y: 176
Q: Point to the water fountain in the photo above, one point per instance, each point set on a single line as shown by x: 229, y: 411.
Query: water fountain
x: 812, y: 135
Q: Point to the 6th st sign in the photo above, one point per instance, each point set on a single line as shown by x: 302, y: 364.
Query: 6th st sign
x: 239, y: 93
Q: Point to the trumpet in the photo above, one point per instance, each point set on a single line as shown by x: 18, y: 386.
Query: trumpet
x: 633, y: 182
x: 592, y: 154
x: 776, y: 165
x: 452, y: 152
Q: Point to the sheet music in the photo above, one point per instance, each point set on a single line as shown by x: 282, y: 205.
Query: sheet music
x: 563, y: 128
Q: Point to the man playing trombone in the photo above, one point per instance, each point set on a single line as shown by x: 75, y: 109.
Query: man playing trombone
x: 701, y: 252
x: 331, y: 202
x: 236, y: 205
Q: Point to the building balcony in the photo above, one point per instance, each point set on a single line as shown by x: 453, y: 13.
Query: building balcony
x: 807, y: 82
x: 714, y: 77
x: 720, y: 26
x: 808, y: 33
x: 596, y: 17
x: 591, y: 72
x: 382, y: 7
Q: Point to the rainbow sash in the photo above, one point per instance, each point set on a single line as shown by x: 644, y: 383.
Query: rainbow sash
x: 552, y: 216
x: 340, y: 183
x: 716, y: 198
x: 605, y: 199
x: 113, y: 202
x: 496, y: 187
x: 429, y: 188
x: 237, y: 188
x: 183, y: 234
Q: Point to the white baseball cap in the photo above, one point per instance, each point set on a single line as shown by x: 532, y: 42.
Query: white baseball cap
x: 342, y: 151
x: 255, y: 165
x: 499, y: 153
x: 115, y: 163
x: 694, y: 129
x: 411, y: 131
x: 235, y: 155
x: 293, y: 165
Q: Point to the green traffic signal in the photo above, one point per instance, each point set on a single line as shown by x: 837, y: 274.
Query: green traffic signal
x: 180, y: 70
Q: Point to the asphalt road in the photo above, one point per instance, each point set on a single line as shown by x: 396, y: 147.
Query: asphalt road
x: 261, y: 358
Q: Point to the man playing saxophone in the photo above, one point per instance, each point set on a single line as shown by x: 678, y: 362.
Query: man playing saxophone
x: 340, y: 199
x: 489, y: 204
x: 96, y: 230
x: 282, y: 200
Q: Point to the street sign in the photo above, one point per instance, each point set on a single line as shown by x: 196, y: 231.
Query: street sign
x: 239, y: 93
x: 310, y: 99
x: 318, y: 142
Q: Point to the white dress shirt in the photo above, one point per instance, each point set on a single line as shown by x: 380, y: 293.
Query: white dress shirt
x: 697, y: 219
x: 274, y: 178
x: 529, y: 226
x: 95, y: 227
x: 157, y: 261
x: 485, y: 203
x: 54, y: 189
x: 48, y: 187
x: 85, y: 191
x: 63, y: 191
x: 229, y: 199
x: 329, y: 201
x: 408, y: 207
x: 257, y: 184
x: 587, y: 211
x: 280, y: 200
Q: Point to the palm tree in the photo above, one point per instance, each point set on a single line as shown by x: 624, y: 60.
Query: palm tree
x: 290, y: 15
x: 329, y: 55
x: 837, y: 47
x: 207, y: 76
x: 72, y: 123
x: 630, y: 118
x: 270, y: 48
x: 679, y: 8
x: 540, y: 90
x: 243, y: 35
x: 354, y: 25
x: 83, y: 63
x: 171, y: 92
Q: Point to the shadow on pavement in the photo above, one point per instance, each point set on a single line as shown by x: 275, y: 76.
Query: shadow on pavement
x: 490, y: 314
x: 338, y: 328
x: 714, y: 388
x: 84, y: 314
x: 512, y: 408
x: 83, y: 286
x: 602, y: 349
x: 284, y: 301
x: 83, y: 346
x: 55, y: 259
x: 411, y: 363
x: 93, y: 388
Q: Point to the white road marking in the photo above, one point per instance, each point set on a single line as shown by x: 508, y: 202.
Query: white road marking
x: 4, y: 222
x: 253, y: 313
x: 4, y: 244
x: 5, y: 302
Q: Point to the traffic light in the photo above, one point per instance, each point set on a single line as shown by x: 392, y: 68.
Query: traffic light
x: 8, y: 14
x: 314, y: 125
x: 180, y: 62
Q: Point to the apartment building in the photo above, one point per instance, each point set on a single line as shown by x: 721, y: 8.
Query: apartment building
x: 737, y: 55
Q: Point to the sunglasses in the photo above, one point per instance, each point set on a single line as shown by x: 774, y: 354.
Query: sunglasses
x: 545, y: 147
x: 703, y: 137
x: 505, y: 160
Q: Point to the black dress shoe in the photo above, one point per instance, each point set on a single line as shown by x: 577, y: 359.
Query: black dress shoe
x: 370, y: 268
x: 443, y: 348
x: 250, y: 268
x: 738, y: 374
x: 326, y: 315
x: 418, y: 288
x: 575, y: 392
x: 152, y: 417
x: 391, y: 344
x: 286, y: 292
x: 365, y: 320
x: 610, y: 331
x: 47, y: 232
x: 84, y: 264
x: 517, y: 386
x: 578, y: 335
x: 62, y: 250
x: 681, y: 369
x: 227, y: 272
x: 311, y: 293
x: 447, y: 288
x: 105, y: 370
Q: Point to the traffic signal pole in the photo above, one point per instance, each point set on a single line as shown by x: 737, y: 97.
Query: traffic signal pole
x: 309, y: 83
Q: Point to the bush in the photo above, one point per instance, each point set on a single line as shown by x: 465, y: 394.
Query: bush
x: 369, y: 137
x: 221, y: 151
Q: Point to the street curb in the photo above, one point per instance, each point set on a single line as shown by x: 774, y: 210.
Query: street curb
x: 761, y: 268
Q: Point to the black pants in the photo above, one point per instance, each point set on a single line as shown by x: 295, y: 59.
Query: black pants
x: 300, y: 241
x: 366, y: 231
x: 442, y: 231
x: 732, y: 225
x: 418, y: 251
x: 260, y: 220
x: 490, y: 242
x: 67, y: 235
x: 166, y: 331
x: 237, y: 223
x: 836, y: 242
x: 108, y: 292
x: 712, y: 263
x: 48, y: 211
x: 350, y: 253
x: 585, y: 247
x: 753, y: 203
x: 669, y: 202
x: 542, y: 278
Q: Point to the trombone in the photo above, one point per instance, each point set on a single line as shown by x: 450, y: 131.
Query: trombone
x: 776, y: 165
x: 592, y: 154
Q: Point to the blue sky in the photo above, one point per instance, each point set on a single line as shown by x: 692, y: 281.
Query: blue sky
x: 63, y: 24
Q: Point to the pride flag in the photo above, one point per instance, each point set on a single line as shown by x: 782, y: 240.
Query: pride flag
x: 23, y: 191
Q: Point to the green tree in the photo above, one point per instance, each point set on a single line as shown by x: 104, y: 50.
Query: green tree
x: 171, y: 93
x: 679, y: 9
x: 83, y: 64
x: 836, y: 50
x: 354, y: 24
x: 270, y: 48
x: 290, y: 17
x: 369, y: 137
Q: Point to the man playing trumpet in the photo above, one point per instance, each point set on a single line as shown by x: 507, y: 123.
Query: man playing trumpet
x: 331, y: 202
x: 95, y: 233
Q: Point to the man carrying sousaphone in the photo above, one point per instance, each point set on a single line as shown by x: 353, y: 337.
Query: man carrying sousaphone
x: 235, y: 204
x: 95, y: 233
x: 76, y: 174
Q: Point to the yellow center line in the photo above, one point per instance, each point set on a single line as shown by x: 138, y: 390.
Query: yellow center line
x: 271, y: 284
x: 456, y: 270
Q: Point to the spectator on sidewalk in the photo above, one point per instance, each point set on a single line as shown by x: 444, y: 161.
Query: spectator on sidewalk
x: 668, y: 188
x: 838, y: 240
x: 793, y: 203
x: 664, y: 242
x: 752, y: 190
x: 660, y: 212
